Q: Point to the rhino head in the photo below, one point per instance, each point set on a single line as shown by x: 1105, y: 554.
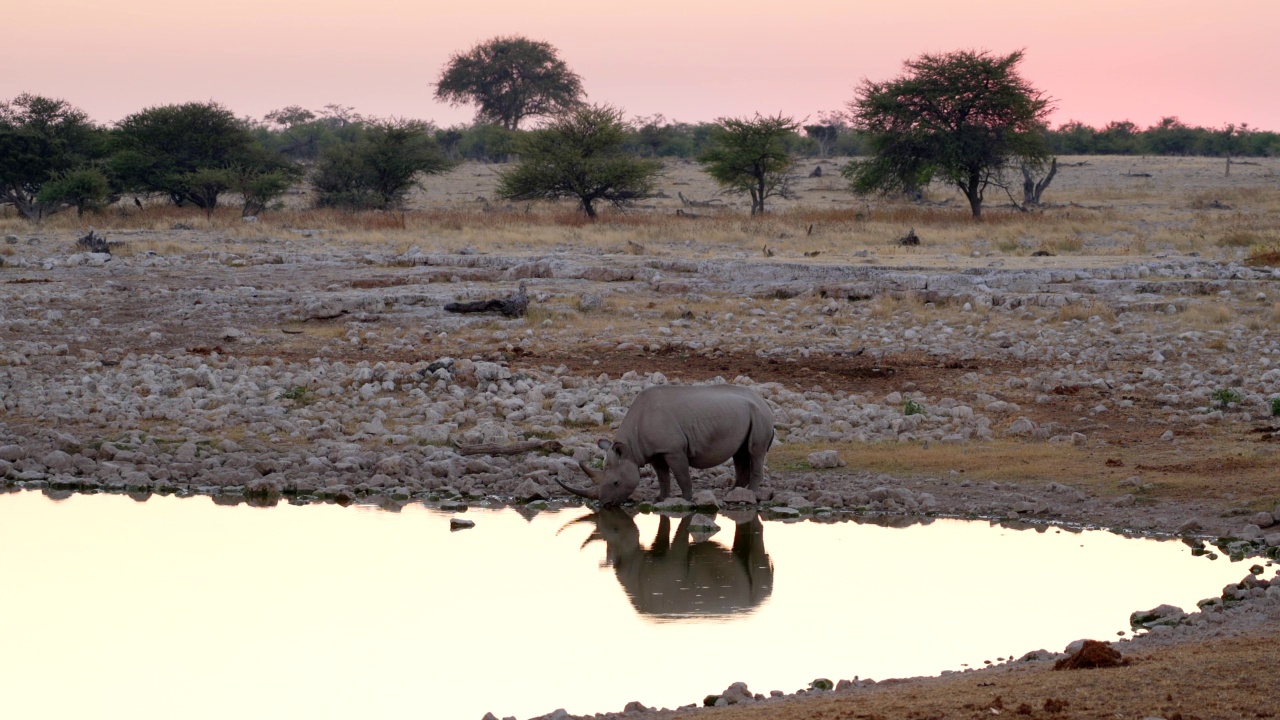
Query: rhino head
x: 614, y: 484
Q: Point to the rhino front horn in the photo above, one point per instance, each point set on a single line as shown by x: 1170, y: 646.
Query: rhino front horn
x: 592, y: 494
x: 596, y: 475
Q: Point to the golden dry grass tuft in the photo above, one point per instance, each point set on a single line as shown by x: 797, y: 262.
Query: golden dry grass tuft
x: 1208, y: 315
x: 1085, y: 311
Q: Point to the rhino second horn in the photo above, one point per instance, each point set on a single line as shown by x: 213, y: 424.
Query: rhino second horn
x: 595, y: 475
x: 592, y: 494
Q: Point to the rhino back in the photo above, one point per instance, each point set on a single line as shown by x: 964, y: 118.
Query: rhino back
x: 710, y: 422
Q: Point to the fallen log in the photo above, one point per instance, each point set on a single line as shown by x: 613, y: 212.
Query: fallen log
x: 513, y: 306
x: 511, y: 449
x: 689, y: 202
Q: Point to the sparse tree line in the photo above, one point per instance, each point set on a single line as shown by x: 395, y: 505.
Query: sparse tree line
x: 966, y: 118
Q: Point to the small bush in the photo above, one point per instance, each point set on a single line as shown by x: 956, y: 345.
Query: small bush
x: 1225, y: 396
x: 299, y: 394
x: 1275, y: 407
x: 911, y: 407
x: 85, y: 189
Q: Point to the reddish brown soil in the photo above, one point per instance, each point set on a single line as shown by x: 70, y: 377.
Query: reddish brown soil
x: 1229, y: 678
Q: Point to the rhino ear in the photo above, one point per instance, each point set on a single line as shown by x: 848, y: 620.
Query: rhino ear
x: 604, y: 444
x: 617, y: 448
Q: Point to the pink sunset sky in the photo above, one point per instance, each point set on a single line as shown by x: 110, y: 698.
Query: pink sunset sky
x: 1208, y: 63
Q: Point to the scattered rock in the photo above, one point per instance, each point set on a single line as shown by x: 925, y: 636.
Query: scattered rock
x: 1190, y: 526
x: 1021, y: 426
x: 1261, y: 519
x: 1161, y: 615
x: 706, y: 500
x: 737, y: 694
x: 529, y: 490
x: 674, y: 504
x: 825, y: 459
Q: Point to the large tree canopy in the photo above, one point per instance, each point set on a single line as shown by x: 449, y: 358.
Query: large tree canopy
x: 749, y: 155
x: 580, y: 155
x: 510, y: 79
x: 377, y: 171
x: 46, y: 143
x: 964, y: 116
x: 192, y: 152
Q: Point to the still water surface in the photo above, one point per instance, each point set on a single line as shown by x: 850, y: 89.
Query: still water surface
x: 182, y: 608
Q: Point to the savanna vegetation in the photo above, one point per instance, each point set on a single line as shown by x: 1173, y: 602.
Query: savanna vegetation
x: 967, y: 119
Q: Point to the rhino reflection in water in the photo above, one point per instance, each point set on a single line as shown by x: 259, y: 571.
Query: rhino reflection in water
x: 677, y: 576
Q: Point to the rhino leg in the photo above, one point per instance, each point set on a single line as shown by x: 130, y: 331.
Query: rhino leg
x: 679, y: 465
x: 748, y: 462
x: 756, y: 448
x: 756, y: 473
x: 664, y: 478
x: 742, y: 467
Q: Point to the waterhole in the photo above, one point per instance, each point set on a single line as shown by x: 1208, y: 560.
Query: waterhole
x: 183, y: 608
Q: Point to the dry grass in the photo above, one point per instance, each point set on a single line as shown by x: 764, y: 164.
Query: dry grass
x: 1085, y: 311
x: 1096, y: 208
x: 1000, y: 461
x: 1208, y: 315
x: 1204, y: 466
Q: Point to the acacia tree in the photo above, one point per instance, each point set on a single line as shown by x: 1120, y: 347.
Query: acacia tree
x: 749, y: 155
x: 826, y: 131
x: 824, y: 135
x: 377, y: 171
x: 193, y: 153
x: 510, y: 79
x: 1231, y: 139
x: 47, y: 147
x: 579, y: 155
x: 965, y: 116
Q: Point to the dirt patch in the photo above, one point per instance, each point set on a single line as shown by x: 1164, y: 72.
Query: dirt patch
x: 853, y: 373
x: 1225, y: 678
x: 1093, y: 654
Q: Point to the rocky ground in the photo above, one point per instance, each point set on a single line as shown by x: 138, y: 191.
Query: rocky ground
x: 1133, y: 392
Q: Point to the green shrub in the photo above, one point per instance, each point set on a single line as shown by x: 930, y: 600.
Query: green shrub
x: 377, y: 171
x: 911, y: 407
x: 299, y: 394
x: 1225, y: 396
x: 83, y: 189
